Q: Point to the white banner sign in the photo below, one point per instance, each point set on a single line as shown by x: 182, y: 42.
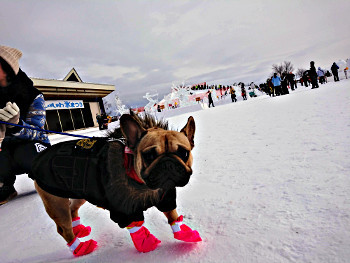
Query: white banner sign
x: 63, y: 104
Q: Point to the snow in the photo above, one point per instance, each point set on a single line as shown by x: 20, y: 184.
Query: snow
x: 270, y: 184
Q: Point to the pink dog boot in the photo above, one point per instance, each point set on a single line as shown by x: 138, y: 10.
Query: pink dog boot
x: 183, y: 232
x: 80, y: 230
x: 143, y: 240
x: 82, y: 248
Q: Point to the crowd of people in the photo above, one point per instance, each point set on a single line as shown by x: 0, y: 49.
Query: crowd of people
x: 277, y: 84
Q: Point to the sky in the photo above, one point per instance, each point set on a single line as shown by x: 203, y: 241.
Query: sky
x: 148, y: 46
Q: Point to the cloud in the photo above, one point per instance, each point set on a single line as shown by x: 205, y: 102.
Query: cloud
x: 143, y: 46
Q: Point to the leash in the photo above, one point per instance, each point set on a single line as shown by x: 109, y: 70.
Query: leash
x: 46, y: 131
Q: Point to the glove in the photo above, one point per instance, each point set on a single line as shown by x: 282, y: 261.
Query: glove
x: 10, y: 113
x: 80, y: 230
x: 183, y: 232
x: 143, y: 240
x: 82, y: 248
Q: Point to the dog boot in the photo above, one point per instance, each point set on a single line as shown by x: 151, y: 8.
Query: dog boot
x: 82, y: 248
x: 143, y: 240
x: 183, y: 232
x: 80, y: 230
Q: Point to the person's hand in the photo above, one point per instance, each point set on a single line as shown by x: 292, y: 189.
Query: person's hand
x: 10, y: 113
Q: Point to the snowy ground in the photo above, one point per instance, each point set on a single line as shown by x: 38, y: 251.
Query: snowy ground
x: 271, y: 184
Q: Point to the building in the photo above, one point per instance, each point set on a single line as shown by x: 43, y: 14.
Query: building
x: 72, y: 104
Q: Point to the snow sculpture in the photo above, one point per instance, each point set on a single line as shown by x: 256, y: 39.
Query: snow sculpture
x: 151, y: 102
x: 120, y: 106
x: 341, y: 64
x: 182, y: 94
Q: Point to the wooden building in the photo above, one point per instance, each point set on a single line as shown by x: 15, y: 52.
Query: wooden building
x: 72, y: 104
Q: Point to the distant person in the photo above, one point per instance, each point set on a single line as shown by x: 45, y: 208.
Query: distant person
x: 313, y: 75
x: 346, y: 72
x: 233, y: 94
x: 99, y: 121
x: 243, y: 92
x: 306, y: 78
x: 20, y: 103
x: 291, y: 80
x: 270, y: 87
x: 276, y: 81
x: 334, y: 70
x: 284, y: 84
x: 211, y: 102
x: 321, y: 75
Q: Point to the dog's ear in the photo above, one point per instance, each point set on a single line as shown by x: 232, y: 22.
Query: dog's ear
x: 131, y: 129
x: 189, y: 130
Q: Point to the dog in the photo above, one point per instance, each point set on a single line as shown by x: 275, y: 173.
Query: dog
x: 130, y: 170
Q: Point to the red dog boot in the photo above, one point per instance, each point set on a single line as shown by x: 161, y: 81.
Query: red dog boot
x: 80, y: 230
x: 82, y: 248
x: 183, y: 232
x: 143, y: 240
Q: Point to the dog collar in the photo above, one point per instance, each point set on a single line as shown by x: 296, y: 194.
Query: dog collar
x: 129, y: 165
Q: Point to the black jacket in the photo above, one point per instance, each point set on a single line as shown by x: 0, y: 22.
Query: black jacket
x: 21, y: 91
x: 93, y: 170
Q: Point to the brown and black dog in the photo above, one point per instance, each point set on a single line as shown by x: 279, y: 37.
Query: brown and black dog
x: 103, y: 172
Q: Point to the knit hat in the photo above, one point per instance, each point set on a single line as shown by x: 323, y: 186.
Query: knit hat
x: 11, y: 56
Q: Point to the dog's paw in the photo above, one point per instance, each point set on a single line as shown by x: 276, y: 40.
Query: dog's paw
x: 144, y: 241
x: 80, y: 230
x: 183, y: 232
x: 82, y: 248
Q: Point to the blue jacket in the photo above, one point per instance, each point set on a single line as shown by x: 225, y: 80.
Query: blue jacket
x: 276, y: 81
x: 32, y: 109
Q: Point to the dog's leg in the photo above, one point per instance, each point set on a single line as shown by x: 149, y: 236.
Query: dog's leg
x: 74, y: 206
x: 171, y: 215
x: 58, y: 209
x: 181, y: 231
x: 79, y: 230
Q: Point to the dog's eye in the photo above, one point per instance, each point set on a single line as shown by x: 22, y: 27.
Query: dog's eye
x: 149, y: 156
x: 183, y: 153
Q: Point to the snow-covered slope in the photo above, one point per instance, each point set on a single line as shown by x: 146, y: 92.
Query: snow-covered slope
x: 270, y: 184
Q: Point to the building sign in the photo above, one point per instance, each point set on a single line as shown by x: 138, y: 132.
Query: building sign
x: 63, y: 104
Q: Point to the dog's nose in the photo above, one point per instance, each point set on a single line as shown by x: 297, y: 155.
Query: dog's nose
x: 168, y: 169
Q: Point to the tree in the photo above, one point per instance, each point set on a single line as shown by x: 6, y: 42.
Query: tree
x: 277, y: 69
x: 288, y: 67
x: 300, y: 72
x: 284, y: 67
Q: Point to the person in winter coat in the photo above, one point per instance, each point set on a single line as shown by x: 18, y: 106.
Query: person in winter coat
x: 334, y: 70
x: 210, y: 98
x: 276, y: 81
x: 291, y: 80
x: 22, y: 104
x: 321, y: 75
x: 233, y: 94
x: 243, y: 92
x: 313, y: 75
x: 270, y: 88
x: 284, y: 84
x: 306, y: 77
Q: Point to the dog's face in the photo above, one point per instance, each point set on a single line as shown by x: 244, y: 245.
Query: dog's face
x: 162, y: 158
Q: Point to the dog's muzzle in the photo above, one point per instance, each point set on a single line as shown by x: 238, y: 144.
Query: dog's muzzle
x: 167, y: 171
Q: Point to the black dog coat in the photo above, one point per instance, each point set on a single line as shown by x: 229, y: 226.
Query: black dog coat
x: 93, y: 169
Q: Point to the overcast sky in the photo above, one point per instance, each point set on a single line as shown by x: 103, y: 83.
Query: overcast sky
x: 145, y: 46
